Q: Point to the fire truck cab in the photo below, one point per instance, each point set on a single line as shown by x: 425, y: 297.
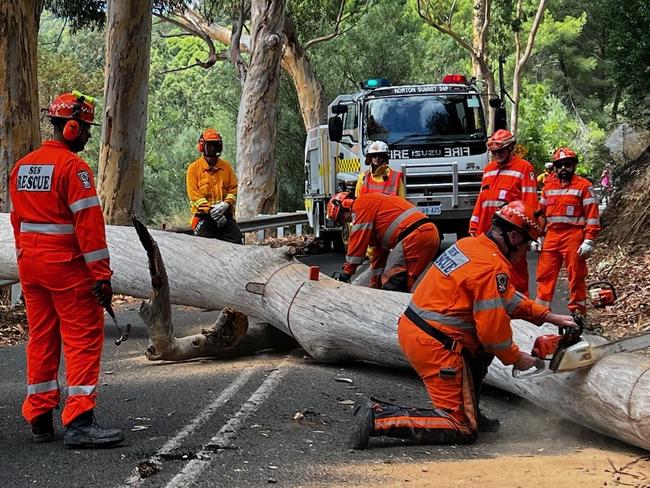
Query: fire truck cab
x: 437, y: 138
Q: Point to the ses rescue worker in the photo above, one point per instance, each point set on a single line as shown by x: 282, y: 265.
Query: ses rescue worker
x: 462, y: 306
x: 505, y: 179
x: 64, y: 270
x: 573, y: 222
x: 380, y: 178
x: 212, y: 189
x: 403, y: 239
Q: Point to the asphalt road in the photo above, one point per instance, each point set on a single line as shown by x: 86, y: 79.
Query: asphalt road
x: 267, y: 419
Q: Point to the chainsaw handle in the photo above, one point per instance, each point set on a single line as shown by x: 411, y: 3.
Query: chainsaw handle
x: 540, y: 368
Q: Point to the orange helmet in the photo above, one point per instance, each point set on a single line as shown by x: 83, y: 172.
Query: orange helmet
x: 501, y: 139
x: 523, y: 217
x: 343, y: 199
x: 564, y: 153
x: 73, y: 105
x: 210, y: 135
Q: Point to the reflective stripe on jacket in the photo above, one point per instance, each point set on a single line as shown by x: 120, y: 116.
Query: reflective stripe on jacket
x: 378, y: 221
x: 572, y: 204
x: 389, y: 182
x: 467, y: 294
x: 502, y: 184
x: 53, y: 196
x: 207, y: 186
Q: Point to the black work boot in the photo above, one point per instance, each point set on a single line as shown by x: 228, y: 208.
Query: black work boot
x: 364, y: 425
x: 487, y: 424
x: 43, y: 428
x: 84, y: 431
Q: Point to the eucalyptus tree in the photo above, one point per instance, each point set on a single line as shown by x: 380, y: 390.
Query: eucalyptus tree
x: 519, y: 18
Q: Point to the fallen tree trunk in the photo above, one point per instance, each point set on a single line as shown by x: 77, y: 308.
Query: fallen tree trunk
x: 334, y: 321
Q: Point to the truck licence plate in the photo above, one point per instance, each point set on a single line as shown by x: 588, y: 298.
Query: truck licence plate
x: 432, y: 210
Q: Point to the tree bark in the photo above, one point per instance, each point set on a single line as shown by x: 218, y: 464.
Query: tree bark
x: 480, y: 66
x: 257, y: 118
x: 121, y: 161
x: 19, y: 121
x: 521, y: 59
x: 311, y: 96
x: 335, y: 321
x: 295, y: 62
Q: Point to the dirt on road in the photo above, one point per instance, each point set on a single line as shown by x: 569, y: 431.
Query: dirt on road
x: 584, y: 468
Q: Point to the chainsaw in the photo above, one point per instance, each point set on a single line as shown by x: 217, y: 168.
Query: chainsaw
x: 601, y: 294
x: 568, y: 351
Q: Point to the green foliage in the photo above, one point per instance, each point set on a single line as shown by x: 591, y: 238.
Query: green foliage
x: 69, y: 62
x: 546, y: 124
x: 586, y: 50
x: 629, y: 49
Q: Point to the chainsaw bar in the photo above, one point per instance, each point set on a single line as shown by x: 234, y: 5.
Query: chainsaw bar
x: 627, y: 344
x: 583, y: 354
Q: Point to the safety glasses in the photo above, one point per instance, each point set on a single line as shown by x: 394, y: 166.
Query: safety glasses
x: 564, y: 164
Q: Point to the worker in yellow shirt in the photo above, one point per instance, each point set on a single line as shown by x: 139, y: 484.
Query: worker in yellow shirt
x: 549, y: 171
x: 212, y: 190
x: 380, y: 178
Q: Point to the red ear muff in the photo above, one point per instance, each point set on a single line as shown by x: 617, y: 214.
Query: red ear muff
x: 71, y: 130
x: 200, y: 146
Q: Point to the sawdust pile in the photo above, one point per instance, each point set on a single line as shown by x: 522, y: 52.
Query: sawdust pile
x: 304, y: 244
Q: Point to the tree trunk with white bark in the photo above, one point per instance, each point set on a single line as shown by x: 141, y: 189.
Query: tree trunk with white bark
x: 258, y: 114
x: 121, y: 160
x: 335, y: 321
x: 19, y: 131
x: 294, y: 61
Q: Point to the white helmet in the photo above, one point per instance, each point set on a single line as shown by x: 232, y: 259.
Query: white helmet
x: 548, y: 165
x: 377, y: 147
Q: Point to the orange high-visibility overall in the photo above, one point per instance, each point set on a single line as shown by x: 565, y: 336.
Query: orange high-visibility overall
x: 61, y: 248
x: 503, y: 184
x: 403, y: 239
x: 571, y: 217
x: 466, y: 295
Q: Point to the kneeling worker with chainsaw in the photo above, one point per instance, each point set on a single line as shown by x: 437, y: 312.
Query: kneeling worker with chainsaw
x: 64, y: 270
x: 403, y: 239
x: 572, y: 226
x: 459, y: 316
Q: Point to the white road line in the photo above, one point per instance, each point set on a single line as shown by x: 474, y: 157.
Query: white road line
x: 203, y: 416
x: 228, y: 432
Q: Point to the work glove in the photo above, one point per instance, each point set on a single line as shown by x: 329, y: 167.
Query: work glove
x: 103, y: 292
x: 537, y: 245
x: 344, y: 277
x: 220, y: 221
x: 586, y: 248
x: 219, y: 210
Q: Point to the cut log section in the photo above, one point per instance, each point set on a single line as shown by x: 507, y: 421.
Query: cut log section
x: 335, y: 321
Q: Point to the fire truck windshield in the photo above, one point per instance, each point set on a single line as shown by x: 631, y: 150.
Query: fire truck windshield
x: 422, y: 119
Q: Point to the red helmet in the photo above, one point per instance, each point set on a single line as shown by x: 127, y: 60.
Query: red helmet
x: 523, y: 217
x: 564, y: 153
x: 210, y: 135
x: 340, y: 200
x: 501, y: 139
x: 73, y: 105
